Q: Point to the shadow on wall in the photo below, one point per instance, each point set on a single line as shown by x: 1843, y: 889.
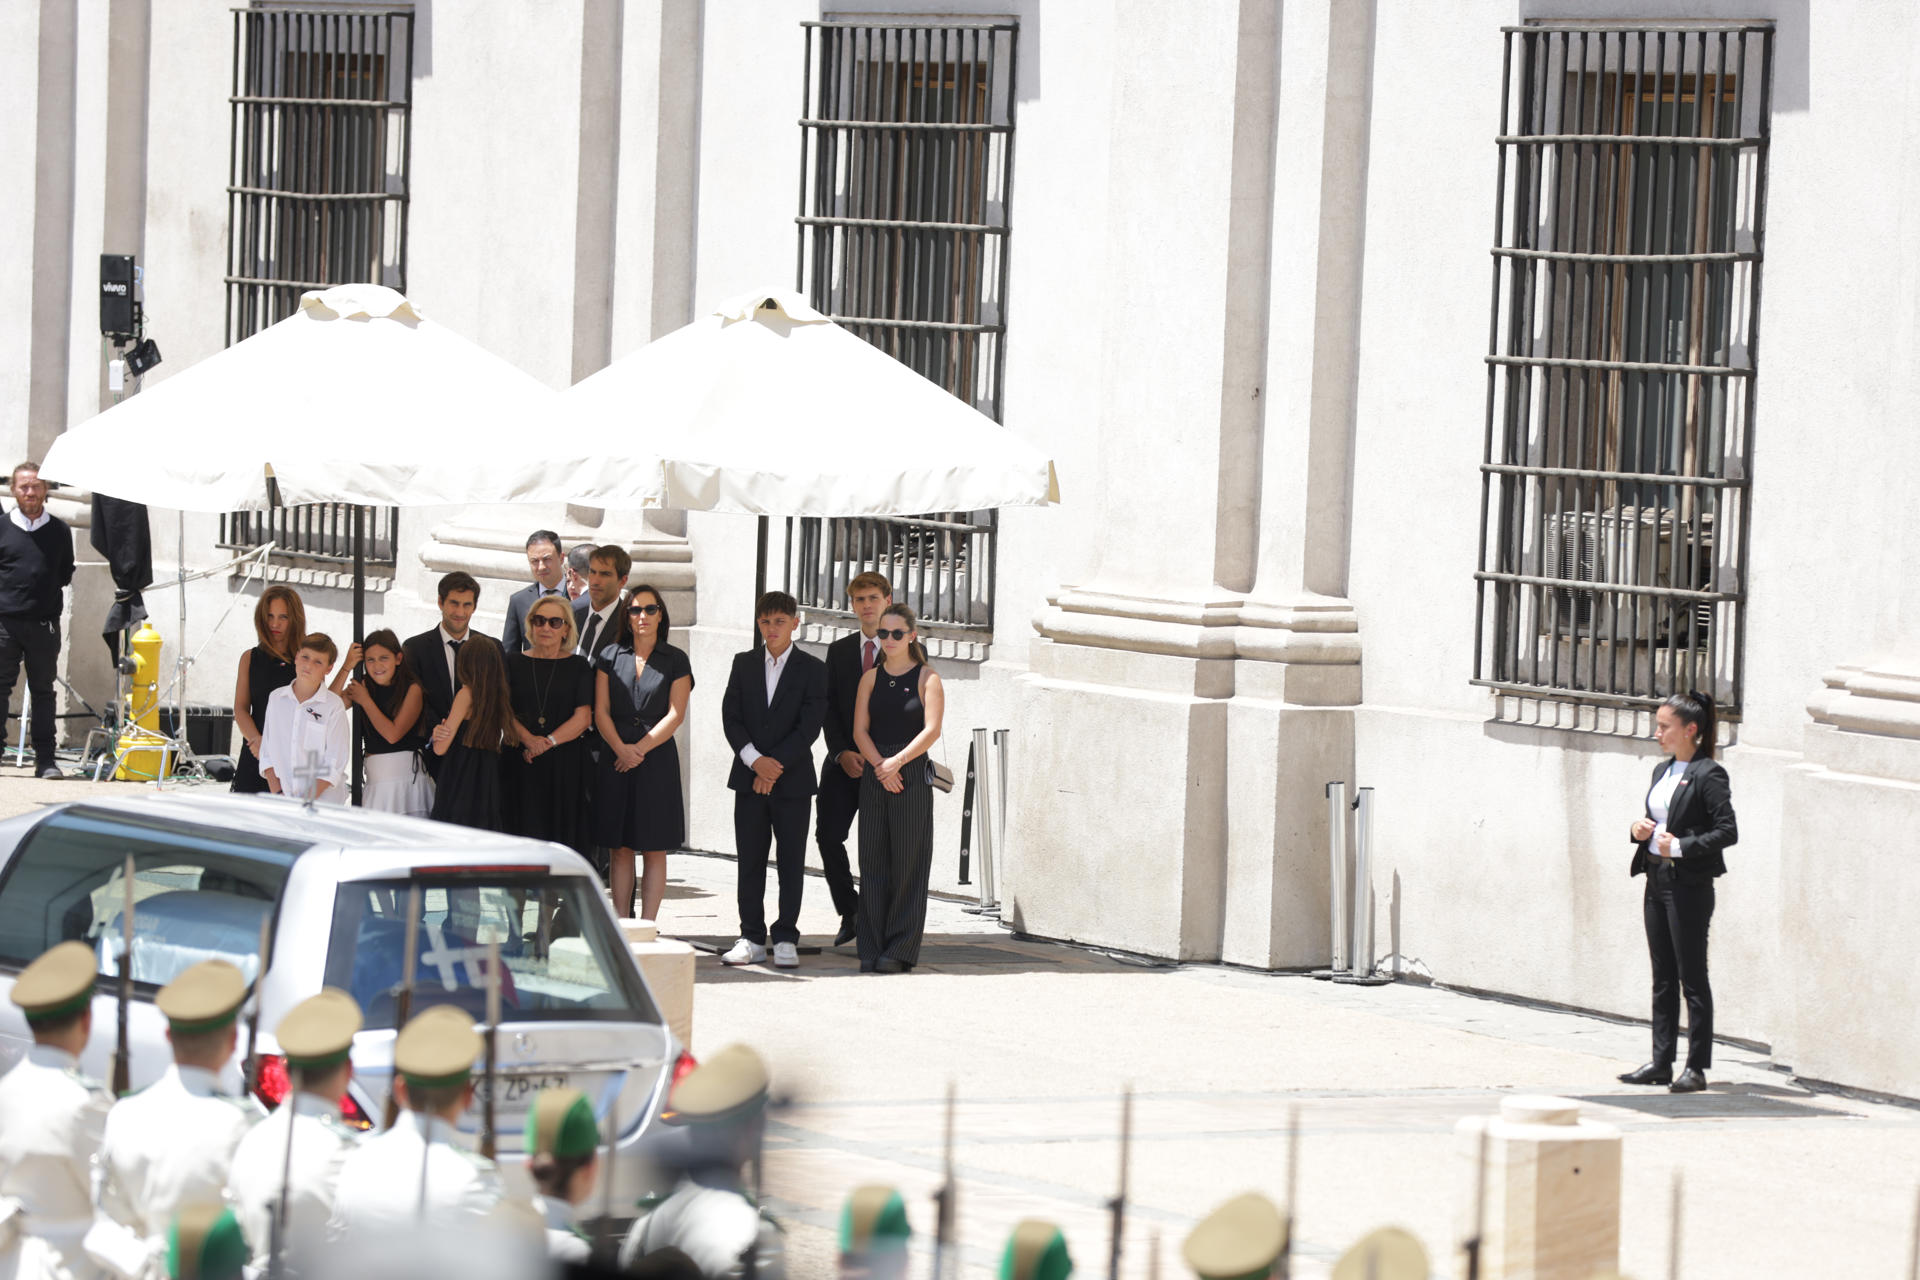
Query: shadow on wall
x: 1792, y: 80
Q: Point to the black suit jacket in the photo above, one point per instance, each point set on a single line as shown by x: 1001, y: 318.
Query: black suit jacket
x: 1700, y: 818
x: 786, y: 729
x: 513, y: 636
x: 429, y: 661
x: 843, y: 691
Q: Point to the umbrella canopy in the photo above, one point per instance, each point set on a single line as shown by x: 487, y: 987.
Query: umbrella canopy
x: 769, y: 408
x: 355, y: 397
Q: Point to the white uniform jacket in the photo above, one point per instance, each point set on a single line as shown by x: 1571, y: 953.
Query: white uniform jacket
x: 310, y: 1169
x: 419, y: 1170
x: 711, y: 1220
x: 565, y: 1241
x: 167, y: 1146
x: 51, y: 1122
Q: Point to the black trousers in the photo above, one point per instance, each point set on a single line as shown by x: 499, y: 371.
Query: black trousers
x: 896, y: 861
x: 1677, y: 916
x: 838, y: 805
x: 761, y: 824
x: 37, y: 640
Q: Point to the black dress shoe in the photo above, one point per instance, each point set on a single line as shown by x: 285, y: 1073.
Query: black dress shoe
x: 1652, y: 1073
x: 49, y: 771
x: 1692, y: 1080
x: 887, y: 964
x: 847, y: 932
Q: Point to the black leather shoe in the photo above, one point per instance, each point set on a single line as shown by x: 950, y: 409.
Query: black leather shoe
x: 887, y: 964
x: 1652, y: 1073
x: 49, y: 771
x: 1692, y: 1080
x: 847, y: 932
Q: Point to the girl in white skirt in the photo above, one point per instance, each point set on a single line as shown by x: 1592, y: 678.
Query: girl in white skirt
x: 386, y: 698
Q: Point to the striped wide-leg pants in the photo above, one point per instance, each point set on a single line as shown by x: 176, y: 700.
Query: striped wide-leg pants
x: 896, y: 859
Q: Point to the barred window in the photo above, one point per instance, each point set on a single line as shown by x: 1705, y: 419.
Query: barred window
x: 906, y: 164
x: 1630, y: 224
x: 317, y: 196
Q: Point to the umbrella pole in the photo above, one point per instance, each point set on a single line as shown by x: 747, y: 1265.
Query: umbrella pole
x: 759, y: 575
x: 359, y: 619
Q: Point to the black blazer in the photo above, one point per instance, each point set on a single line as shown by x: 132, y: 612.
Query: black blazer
x: 1700, y: 818
x: 843, y: 690
x: 429, y: 661
x: 513, y: 636
x: 784, y: 730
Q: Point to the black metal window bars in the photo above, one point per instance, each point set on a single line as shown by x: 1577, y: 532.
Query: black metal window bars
x: 906, y: 181
x: 1629, y: 231
x: 317, y: 196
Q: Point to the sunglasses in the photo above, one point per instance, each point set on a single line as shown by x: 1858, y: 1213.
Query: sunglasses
x: 546, y: 620
x: 898, y: 633
x: 648, y: 609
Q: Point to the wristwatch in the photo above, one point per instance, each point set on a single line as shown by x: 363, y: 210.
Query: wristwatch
x: 551, y: 742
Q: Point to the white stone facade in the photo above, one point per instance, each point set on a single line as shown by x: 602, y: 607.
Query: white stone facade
x: 1246, y: 316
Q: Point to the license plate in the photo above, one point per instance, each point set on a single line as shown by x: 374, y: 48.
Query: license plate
x: 519, y: 1090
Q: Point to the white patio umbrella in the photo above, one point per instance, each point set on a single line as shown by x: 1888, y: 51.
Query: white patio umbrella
x: 767, y: 407
x: 356, y: 397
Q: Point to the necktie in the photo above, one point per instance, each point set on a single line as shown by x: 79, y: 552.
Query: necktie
x: 593, y: 631
x: 866, y: 658
x: 455, y: 646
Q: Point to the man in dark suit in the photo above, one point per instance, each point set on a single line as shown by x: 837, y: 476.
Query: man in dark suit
x: 776, y: 698
x: 596, y: 621
x: 848, y: 658
x: 549, y: 576
x: 433, y: 654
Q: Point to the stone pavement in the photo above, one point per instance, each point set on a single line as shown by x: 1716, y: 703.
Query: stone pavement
x: 1040, y: 1039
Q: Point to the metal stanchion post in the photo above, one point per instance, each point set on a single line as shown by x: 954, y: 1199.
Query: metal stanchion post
x: 1336, y: 879
x: 983, y: 823
x: 1360, y: 960
x: 26, y: 714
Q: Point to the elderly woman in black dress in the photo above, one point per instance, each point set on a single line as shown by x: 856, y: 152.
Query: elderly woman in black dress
x: 552, y: 691
x: 279, y: 622
x: 641, y: 687
x: 896, y: 719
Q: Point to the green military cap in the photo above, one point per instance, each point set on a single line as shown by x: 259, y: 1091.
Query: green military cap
x: 1242, y: 1238
x: 437, y: 1047
x: 1036, y: 1251
x: 204, y: 998
x: 874, y: 1217
x: 732, y: 1079
x: 561, y: 1124
x: 1386, y: 1254
x: 317, y: 1033
x: 204, y: 1243
x: 58, y: 984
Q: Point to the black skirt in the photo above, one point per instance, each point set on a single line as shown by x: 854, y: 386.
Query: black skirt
x: 641, y: 808
x: 468, y: 788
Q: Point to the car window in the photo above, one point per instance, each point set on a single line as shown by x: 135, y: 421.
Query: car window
x: 561, y: 958
x: 198, y: 893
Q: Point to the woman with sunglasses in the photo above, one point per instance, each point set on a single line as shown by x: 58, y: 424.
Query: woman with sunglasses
x: 546, y: 768
x: 896, y: 719
x: 641, y: 687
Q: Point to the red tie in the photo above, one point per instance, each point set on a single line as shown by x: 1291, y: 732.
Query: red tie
x: 866, y: 658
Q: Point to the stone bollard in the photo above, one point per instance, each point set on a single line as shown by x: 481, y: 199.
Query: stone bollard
x: 1552, y: 1191
x: 668, y: 966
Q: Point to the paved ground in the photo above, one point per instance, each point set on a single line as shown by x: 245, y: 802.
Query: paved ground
x: 1040, y: 1040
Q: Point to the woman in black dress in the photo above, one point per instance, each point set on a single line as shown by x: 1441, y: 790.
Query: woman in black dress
x: 641, y: 687
x: 896, y: 718
x: 279, y: 622
x: 470, y: 739
x: 552, y: 690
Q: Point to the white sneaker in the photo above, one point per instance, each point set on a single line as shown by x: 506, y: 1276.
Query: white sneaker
x: 745, y: 952
x: 786, y: 956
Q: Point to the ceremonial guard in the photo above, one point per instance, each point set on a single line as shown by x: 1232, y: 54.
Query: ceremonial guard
x: 1386, y: 1254
x: 171, y: 1144
x: 51, y: 1119
x: 421, y: 1170
x: 1244, y: 1239
x: 1037, y: 1250
x: 204, y: 1242
x: 285, y: 1171
x: 562, y: 1141
x: 874, y: 1233
x: 710, y: 1216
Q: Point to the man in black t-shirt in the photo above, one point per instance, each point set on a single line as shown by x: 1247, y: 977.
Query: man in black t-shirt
x: 36, y: 564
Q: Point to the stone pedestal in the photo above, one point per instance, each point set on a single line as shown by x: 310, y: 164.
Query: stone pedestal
x: 1552, y: 1191
x: 667, y: 965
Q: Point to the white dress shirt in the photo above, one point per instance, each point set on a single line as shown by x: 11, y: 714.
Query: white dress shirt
x: 453, y: 655
x: 1660, y: 803
x: 599, y: 633
x: 293, y: 728
x: 311, y: 1168
x: 775, y: 667
x: 29, y: 525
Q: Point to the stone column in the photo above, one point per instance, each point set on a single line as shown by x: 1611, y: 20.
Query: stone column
x: 1552, y: 1206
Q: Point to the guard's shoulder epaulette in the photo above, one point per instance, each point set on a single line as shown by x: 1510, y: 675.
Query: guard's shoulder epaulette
x: 648, y: 1203
x: 339, y: 1128
x: 84, y: 1080
x: 473, y: 1158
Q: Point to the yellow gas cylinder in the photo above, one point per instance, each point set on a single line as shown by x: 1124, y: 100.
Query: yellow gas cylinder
x: 144, y: 754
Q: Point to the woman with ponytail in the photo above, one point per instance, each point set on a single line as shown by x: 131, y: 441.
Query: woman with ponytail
x: 1678, y: 845
x: 896, y: 718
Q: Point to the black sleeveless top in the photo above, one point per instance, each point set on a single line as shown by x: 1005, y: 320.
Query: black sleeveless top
x: 895, y: 716
x: 266, y: 672
x: 388, y: 698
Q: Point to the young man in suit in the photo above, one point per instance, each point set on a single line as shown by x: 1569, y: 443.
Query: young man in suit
x: 549, y: 575
x: 848, y: 658
x: 596, y: 621
x: 433, y: 654
x: 776, y: 698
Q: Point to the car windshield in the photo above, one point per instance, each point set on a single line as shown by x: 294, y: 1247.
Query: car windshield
x: 561, y: 957
x: 198, y: 893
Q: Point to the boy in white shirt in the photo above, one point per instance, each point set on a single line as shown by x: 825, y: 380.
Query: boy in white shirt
x: 307, y: 717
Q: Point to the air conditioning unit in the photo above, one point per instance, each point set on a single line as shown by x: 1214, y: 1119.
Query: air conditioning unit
x: 1629, y: 546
